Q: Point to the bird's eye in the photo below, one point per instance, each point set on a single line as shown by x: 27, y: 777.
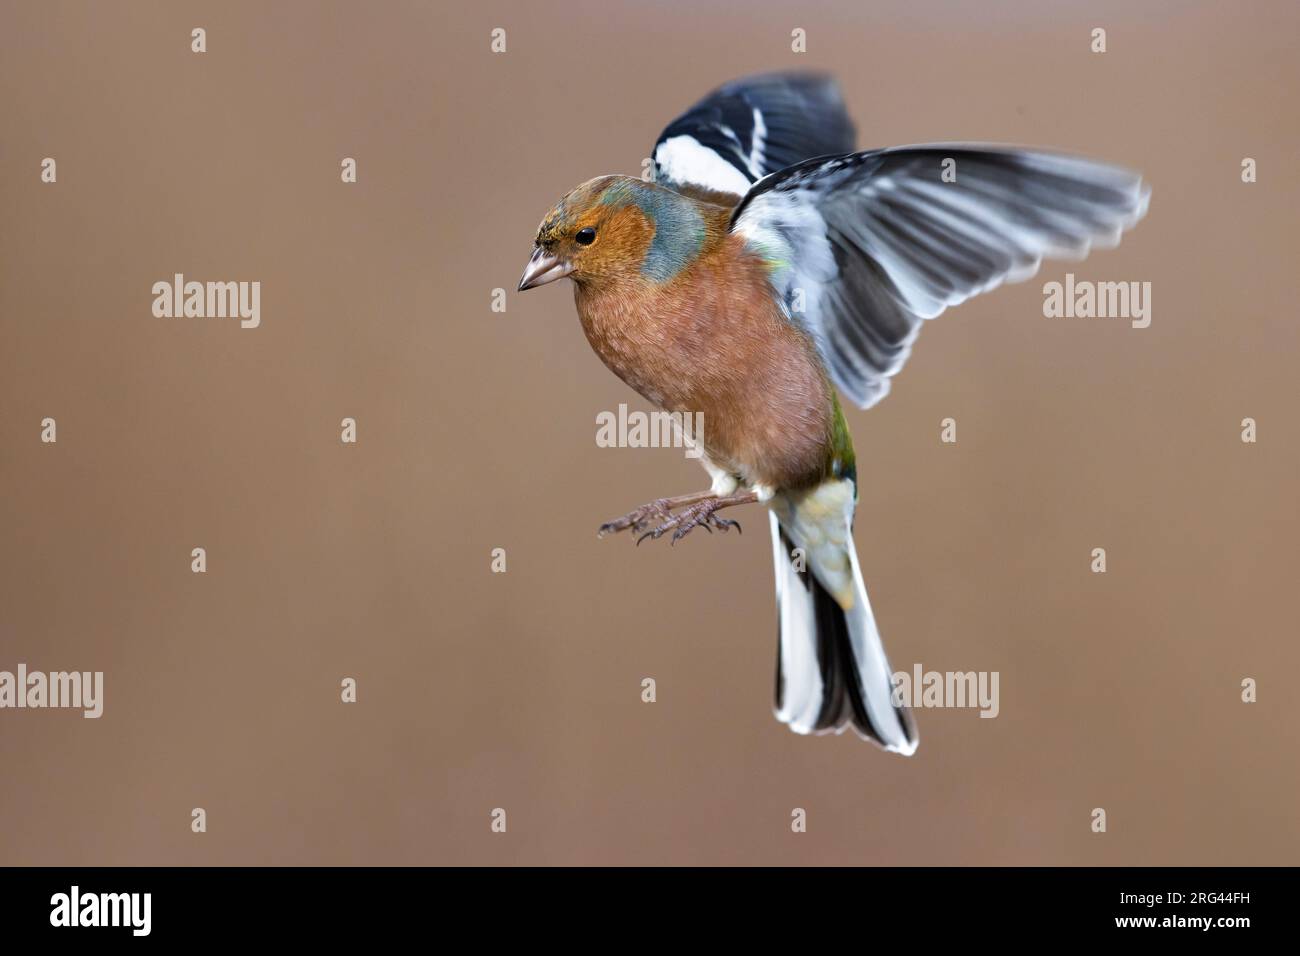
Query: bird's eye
x: 585, y: 237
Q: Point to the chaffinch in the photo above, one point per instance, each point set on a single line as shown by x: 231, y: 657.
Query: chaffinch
x: 767, y: 264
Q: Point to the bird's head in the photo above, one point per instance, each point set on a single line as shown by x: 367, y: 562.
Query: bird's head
x: 615, y: 228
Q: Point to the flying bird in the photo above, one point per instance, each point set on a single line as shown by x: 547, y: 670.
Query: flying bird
x: 766, y: 264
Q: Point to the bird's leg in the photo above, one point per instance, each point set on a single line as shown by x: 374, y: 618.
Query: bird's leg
x: 661, y: 508
x: 702, y: 515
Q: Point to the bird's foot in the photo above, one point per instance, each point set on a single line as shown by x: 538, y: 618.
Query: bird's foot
x: 661, y: 509
x: 703, y: 515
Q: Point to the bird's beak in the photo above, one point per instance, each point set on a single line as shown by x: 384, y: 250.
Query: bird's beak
x: 543, y: 268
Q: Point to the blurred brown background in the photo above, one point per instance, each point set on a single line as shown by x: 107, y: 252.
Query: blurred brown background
x: 477, y: 430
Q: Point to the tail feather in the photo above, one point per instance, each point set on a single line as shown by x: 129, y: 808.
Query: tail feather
x: 832, y: 672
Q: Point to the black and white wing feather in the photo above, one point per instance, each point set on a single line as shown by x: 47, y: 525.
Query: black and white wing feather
x: 864, y: 247
x: 747, y: 129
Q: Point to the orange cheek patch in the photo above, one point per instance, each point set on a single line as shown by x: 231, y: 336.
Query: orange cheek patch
x: 622, y: 240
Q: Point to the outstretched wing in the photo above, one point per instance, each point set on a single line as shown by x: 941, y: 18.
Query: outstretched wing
x: 864, y: 247
x: 747, y: 129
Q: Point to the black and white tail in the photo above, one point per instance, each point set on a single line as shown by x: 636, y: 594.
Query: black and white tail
x: 831, y: 668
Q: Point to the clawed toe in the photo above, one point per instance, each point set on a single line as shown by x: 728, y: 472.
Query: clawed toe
x: 637, y: 519
x: 703, y: 515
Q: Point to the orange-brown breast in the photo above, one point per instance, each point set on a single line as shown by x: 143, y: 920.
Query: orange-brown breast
x: 714, y: 340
